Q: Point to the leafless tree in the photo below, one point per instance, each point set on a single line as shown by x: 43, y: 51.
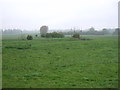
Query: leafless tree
x: 43, y: 30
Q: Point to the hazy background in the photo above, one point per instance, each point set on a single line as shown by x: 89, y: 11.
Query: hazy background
x: 58, y: 14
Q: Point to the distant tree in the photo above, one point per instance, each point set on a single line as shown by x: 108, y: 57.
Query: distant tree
x: 105, y: 31
x: 12, y: 31
x: 92, y: 29
x: 117, y: 31
x: 43, y: 30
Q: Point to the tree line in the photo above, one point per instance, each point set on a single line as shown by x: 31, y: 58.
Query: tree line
x: 44, y: 30
x: 92, y: 31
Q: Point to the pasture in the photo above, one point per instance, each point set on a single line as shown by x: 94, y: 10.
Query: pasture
x: 60, y: 63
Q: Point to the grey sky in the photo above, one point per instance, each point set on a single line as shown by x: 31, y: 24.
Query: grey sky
x: 58, y: 14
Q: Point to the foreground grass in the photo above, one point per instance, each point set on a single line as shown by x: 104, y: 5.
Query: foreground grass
x: 59, y: 63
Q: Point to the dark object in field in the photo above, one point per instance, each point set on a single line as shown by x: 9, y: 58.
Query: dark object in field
x: 19, y: 47
x: 49, y: 52
x: 67, y: 48
x: 22, y: 48
x: 73, y: 84
x: 10, y: 47
x: 85, y: 39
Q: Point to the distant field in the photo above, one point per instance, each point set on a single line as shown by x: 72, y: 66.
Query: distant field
x: 13, y: 37
x: 60, y: 63
x: 23, y: 36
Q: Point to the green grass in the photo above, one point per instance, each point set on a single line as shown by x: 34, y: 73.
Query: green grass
x: 61, y: 63
x: 0, y: 62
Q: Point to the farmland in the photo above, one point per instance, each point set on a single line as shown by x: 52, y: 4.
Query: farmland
x: 60, y: 63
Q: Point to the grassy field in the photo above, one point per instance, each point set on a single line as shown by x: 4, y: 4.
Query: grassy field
x: 0, y: 70
x: 61, y: 63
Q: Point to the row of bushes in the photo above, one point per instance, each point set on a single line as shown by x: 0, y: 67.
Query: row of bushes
x: 53, y: 35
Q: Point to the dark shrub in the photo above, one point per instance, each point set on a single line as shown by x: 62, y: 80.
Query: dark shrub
x: 43, y: 35
x: 76, y: 35
x: 29, y: 37
x: 36, y: 35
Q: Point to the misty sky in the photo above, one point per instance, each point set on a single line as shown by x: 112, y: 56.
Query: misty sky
x: 58, y: 14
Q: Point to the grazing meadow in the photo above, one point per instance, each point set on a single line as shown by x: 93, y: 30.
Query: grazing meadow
x: 60, y: 62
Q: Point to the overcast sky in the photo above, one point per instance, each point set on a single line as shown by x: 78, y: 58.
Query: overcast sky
x: 58, y: 14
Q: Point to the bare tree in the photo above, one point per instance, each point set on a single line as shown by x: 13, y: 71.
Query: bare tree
x: 43, y: 30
